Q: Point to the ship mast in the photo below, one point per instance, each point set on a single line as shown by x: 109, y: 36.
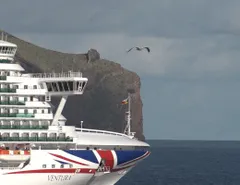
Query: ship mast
x: 127, y: 129
x: 129, y: 115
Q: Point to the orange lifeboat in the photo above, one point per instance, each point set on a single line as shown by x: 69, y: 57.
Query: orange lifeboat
x: 14, y: 155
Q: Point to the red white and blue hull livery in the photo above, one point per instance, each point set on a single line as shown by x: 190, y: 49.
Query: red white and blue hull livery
x: 74, y: 167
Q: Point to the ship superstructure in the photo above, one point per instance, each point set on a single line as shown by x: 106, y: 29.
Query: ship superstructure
x: 35, y: 142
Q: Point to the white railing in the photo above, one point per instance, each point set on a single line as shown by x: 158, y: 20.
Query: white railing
x: 100, y: 132
x: 56, y: 75
x: 9, y: 168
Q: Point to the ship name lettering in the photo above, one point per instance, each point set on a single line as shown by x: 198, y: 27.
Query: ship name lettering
x: 59, y: 177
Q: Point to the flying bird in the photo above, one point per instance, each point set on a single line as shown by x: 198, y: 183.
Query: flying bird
x: 140, y: 48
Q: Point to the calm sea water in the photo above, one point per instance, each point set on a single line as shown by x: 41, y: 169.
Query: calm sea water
x: 188, y: 163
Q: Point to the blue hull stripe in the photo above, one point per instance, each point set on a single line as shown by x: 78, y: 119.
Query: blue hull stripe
x: 61, y: 162
x: 125, y: 156
x: 84, y: 154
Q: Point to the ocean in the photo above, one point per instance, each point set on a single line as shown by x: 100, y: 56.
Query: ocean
x: 188, y: 163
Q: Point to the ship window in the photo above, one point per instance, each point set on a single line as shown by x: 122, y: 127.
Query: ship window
x: 54, y: 85
x: 25, y: 111
x: 60, y: 86
x: 34, y: 111
x: 31, y: 98
x: 71, y: 85
x: 62, y: 166
x: 25, y: 86
x: 44, y: 166
x: 15, y: 111
x: 25, y: 98
x: 83, y: 85
x: 65, y: 85
x: 49, y: 87
x: 53, y: 165
x: 43, y: 111
x: 34, y: 87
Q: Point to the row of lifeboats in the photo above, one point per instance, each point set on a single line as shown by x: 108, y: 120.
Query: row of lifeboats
x: 14, y: 155
x: 14, y: 152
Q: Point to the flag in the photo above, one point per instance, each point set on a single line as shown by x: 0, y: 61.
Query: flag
x: 124, y: 102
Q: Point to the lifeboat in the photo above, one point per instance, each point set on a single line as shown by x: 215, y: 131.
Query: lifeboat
x: 14, y: 155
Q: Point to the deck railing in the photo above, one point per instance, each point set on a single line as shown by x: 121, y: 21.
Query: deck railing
x: 5, y: 61
x: 99, y: 131
x: 56, y: 75
x: 9, y: 168
x: 3, y: 77
x: 9, y: 90
x: 17, y: 115
x: 36, y: 139
x: 36, y: 127
x: 12, y: 103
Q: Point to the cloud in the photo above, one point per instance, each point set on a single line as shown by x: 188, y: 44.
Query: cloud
x: 193, y: 58
x: 188, y: 39
x: 191, y: 77
x: 161, y: 18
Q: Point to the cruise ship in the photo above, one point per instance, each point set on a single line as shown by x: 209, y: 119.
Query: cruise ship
x: 37, y: 147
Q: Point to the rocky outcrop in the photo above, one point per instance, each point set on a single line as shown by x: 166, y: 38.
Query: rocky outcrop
x: 100, y: 106
x: 92, y: 55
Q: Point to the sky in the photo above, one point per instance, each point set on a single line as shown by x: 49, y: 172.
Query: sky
x: 190, y: 80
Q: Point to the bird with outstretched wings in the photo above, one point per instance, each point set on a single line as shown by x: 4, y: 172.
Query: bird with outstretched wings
x: 140, y: 48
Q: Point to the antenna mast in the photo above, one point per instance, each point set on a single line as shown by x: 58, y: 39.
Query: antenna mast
x: 127, y: 129
x: 129, y: 115
x: 73, y: 63
x: 62, y: 66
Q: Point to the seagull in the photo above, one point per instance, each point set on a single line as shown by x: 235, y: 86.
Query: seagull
x: 140, y: 48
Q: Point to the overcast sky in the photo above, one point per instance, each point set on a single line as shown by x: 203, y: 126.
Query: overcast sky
x: 190, y: 80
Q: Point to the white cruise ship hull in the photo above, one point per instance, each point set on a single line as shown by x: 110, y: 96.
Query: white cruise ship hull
x: 46, y: 179
x: 73, y: 167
